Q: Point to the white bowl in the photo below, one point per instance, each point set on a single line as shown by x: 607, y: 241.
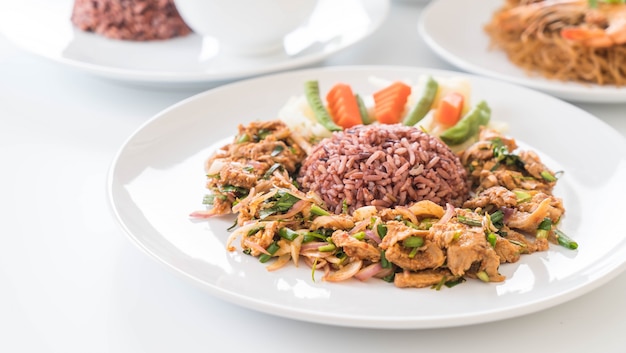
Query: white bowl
x: 246, y: 27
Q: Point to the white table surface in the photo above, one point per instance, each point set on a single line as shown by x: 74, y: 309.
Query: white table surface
x: 71, y: 281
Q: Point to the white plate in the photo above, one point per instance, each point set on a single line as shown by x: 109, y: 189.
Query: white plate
x: 454, y: 30
x: 44, y: 28
x: 157, y: 178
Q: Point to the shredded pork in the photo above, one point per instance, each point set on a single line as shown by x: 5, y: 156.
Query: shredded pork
x: 417, y: 245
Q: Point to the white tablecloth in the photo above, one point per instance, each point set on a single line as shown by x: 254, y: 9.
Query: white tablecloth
x: 70, y: 281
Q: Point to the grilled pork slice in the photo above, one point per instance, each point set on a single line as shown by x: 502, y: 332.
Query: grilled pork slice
x: 467, y: 248
x: 355, y: 248
x: 496, y: 196
x: 429, y: 255
x: 421, y: 279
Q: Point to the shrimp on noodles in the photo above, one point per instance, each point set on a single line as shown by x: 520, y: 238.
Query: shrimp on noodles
x: 568, y: 40
x: 603, y: 27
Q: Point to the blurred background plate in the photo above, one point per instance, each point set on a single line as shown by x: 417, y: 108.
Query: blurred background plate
x: 44, y: 28
x: 454, y: 30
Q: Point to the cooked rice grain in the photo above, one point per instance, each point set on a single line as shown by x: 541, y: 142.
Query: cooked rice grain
x: 384, y: 166
x: 138, y: 20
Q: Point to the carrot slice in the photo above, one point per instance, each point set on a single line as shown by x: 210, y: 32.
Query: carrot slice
x: 449, y: 110
x: 343, y: 106
x: 390, y: 101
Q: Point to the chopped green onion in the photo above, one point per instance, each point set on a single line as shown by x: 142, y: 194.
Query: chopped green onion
x: 359, y: 235
x: 546, y: 224
x: 497, y: 216
x: 440, y: 284
x: 522, y: 196
x: 327, y: 248
x: 483, y: 276
x: 383, y: 260
x: 272, y: 249
x: 544, y: 228
x: 547, y: 176
x: 565, y: 241
x: 311, y: 236
x: 243, y: 138
x: 413, y: 242
x: 453, y: 282
x: 318, y: 211
x: 497, y: 220
x: 594, y: 3
x: 382, y: 230
x: 492, y: 238
x: 288, y: 234
x: 410, y: 224
x: 469, y: 221
x: 518, y: 243
x: 425, y: 224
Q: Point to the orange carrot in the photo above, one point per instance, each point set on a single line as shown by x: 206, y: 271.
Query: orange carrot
x: 449, y: 110
x: 389, y: 102
x: 342, y: 106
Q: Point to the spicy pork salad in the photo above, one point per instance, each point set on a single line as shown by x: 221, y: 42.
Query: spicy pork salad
x: 413, y: 184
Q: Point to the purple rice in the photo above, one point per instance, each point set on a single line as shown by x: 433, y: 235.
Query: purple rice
x: 384, y: 166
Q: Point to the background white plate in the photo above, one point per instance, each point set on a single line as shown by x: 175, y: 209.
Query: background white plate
x: 44, y: 28
x: 157, y: 178
x: 454, y: 30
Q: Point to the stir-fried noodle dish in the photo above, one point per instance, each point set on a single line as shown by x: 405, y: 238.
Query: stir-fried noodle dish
x: 412, y: 184
x: 569, y: 40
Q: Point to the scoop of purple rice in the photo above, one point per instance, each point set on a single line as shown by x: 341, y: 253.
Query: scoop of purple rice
x: 138, y: 20
x: 384, y: 166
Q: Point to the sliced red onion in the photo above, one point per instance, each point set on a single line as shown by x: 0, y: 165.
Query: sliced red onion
x: 507, y: 211
x: 255, y: 246
x: 448, y: 215
x: 345, y: 272
x: 359, y: 226
x: 314, y: 245
x: 384, y: 272
x: 369, y: 234
x: 202, y: 214
x: 279, y: 263
x: 369, y: 271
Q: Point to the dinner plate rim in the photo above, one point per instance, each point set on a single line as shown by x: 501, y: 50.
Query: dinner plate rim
x: 377, y: 9
x: 570, y: 91
x: 339, y: 320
